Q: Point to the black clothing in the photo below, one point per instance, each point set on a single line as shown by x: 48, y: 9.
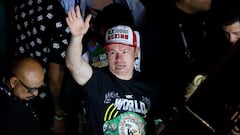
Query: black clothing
x: 117, y: 106
x: 214, y: 107
x: 39, y: 29
x: 16, y: 117
x: 183, y: 45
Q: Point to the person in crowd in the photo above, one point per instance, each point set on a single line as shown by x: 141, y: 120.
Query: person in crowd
x: 17, y: 89
x: 39, y: 30
x: 185, y: 45
x: 93, y: 41
x: 117, y: 99
x: 112, y: 14
x: 229, y: 18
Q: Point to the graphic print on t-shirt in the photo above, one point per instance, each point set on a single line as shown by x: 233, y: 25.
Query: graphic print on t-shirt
x: 125, y: 115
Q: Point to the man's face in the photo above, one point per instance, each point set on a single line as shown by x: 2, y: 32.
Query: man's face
x: 232, y: 32
x: 25, y: 89
x: 121, y: 59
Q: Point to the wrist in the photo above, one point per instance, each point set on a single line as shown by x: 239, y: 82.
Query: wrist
x: 59, y: 112
x: 60, y: 115
x: 77, y: 36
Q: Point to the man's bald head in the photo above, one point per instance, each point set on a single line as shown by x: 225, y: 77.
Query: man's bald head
x: 29, y: 70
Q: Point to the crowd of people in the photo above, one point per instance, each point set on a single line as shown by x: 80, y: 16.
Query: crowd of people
x: 79, y: 67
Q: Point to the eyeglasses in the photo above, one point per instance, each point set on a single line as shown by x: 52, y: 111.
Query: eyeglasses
x: 28, y: 89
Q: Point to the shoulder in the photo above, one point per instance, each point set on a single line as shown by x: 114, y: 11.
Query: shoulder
x: 100, y: 74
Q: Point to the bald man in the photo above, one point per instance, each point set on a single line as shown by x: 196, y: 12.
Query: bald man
x: 17, y: 116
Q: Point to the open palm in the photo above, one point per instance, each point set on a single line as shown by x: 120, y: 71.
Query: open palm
x: 76, y: 23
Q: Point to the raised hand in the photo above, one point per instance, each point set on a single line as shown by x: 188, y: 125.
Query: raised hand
x: 76, y: 23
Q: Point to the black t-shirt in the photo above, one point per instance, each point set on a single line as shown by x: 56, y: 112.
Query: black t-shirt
x: 117, y: 106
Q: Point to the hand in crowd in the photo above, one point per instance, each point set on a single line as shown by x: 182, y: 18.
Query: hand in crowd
x: 76, y: 22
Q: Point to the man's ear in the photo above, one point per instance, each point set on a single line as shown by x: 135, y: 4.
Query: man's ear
x: 137, y: 51
x: 13, y: 81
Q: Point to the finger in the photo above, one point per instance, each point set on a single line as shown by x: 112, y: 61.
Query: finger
x: 78, y: 12
x: 70, y: 14
x: 88, y: 18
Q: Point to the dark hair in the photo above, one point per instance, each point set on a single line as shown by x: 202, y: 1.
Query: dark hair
x: 229, y: 13
x: 115, y: 14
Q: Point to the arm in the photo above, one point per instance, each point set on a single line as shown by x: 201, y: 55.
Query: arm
x: 80, y: 69
x: 55, y: 77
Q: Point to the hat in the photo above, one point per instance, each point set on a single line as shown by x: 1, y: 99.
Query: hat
x: 121, y: 34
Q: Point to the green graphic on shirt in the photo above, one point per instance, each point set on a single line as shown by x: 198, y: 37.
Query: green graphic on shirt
x: 128, y: 123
